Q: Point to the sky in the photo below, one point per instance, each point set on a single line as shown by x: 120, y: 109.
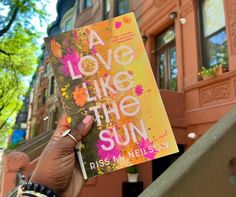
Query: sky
x: 52, y: 14
x: 51, y: 10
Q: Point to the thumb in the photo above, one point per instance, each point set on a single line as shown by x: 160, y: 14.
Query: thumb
x: 81, y: 130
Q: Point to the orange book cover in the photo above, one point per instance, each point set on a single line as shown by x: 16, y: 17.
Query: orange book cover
x: 103, y: 69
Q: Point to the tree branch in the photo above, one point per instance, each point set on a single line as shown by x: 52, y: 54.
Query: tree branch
x: 6, y: 53
x: 14, y: 72
x: 8, y: 26
x: 5, y: 121
x: 12, y: 19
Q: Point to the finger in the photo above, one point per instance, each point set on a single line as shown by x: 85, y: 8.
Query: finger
x: 62, y: 126
x: 82, y: 130
x: 63, y: 123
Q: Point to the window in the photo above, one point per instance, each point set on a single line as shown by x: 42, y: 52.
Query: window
x: 87, y: 3
x: 213, y: 33
x: 52, y: 85
x: 44, y: 96
x: 68, y: 25
x: 46, y: 68
x: 106, y: 9
x: 40, y: 78
x: 38, y: 102
x: 166, y: 60
x: 122, y: 7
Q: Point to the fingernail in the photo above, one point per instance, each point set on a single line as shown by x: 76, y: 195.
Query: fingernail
x: 87, y: 119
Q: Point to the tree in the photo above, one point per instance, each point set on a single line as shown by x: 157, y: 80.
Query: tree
x: 18, y: 55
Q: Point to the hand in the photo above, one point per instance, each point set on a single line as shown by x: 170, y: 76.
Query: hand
x: 57, y: 167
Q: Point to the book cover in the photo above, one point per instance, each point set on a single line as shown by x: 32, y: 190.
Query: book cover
x: 103, y: 69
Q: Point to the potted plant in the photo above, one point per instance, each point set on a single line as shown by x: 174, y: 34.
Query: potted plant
x: 220, y: 68
x: 207, y: 73
x: 132, y: 174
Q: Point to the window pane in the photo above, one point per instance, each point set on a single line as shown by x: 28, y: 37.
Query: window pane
x: 44, y: 96
x: 122, y: 7
x: 46, y: 68
x: 162, y: 65
x: 217, y: 49
x: 166, y: 37
x: 68, y: 25
x: 107, y: 8
x: 213, y: 16
x: 52, y: 85
x: 173, y: 67
x: 87, y: 3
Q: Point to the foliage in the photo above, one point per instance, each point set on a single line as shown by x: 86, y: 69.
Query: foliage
x: 18, y: 56
x: 12, y: 146
x: 207, y: 72
x: 212, y: 71
x: 132, y: 169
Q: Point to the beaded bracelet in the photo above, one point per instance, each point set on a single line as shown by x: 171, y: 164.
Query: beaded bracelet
x: 35, y: 190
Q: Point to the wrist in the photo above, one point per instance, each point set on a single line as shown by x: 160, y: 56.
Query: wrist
x: 35, y: 189
x: 39, y: 180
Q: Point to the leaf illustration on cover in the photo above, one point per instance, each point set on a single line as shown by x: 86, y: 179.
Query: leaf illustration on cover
x: 79, y: 95
x: 123, y: 162
x: 55, y: 48
x: 127, y: 19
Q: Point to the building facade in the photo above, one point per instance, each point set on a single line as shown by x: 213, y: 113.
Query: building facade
x: 187, y: 42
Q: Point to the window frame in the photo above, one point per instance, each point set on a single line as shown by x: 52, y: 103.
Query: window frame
x: 167, y: 71
x: 69, y: 19
x: 104, y: 10
x: 202, y: 44
x: 116, y: 7
x: 165, y: 49
x: 69, y: 15
x: 52, y: 84
x: 85, y: 6
x: 44, y: 96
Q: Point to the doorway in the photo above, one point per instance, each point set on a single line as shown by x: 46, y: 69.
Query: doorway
x: 166, y: 71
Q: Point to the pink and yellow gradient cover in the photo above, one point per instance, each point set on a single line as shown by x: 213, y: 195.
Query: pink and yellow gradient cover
x: 103, y: 69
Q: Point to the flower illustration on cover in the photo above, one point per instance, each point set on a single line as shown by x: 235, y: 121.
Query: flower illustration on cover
x: 104, y: 154
x: 123, y: 163
x: 64, y: 91
x: 74, y: 59
x: 75, y: 34
x: 94, y: 51
x: 68, y: 119
x: 79, y: 95
x: 139, y: 90
x: 118, y: 24
x: 147, y: 145
x: 55, y: 48
x: 127, y: 19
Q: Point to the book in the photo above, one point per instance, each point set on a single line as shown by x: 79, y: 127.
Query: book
x: 103, y: 69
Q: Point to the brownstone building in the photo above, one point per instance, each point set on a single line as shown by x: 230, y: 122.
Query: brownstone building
x: 183, y: 38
